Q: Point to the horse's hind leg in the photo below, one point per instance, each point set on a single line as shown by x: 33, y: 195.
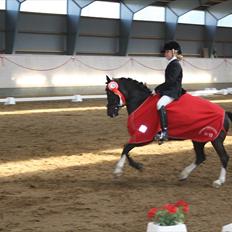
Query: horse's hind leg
x: 220, y: 149
x: 200, y: 157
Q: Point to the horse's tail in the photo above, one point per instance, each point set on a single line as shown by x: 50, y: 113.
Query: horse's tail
x: 229, y: 115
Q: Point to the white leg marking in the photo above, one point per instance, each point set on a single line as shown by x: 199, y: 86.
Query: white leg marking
x: 187, y: 171
x: 119, y: 166
x: 221, y: 180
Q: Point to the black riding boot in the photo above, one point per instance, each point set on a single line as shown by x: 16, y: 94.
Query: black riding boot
x: 163, y: 135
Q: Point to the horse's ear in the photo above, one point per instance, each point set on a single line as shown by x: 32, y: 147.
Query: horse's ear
x: 108, y: 79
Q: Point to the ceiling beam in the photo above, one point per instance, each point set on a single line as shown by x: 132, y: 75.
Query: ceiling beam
x: 221, y: 10
x: 11, y: 24
x: 74, y: 8
x: 127, y: 10
x: 213, y: 14
x: 173, y: 11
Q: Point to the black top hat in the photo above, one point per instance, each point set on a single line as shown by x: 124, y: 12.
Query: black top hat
x: 172, y: 45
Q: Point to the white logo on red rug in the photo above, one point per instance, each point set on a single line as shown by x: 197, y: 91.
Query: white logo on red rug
x: 208, y: 131
x: 143, y: 128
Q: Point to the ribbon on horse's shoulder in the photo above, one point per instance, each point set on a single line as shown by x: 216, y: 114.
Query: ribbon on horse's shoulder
x: 189, y: 117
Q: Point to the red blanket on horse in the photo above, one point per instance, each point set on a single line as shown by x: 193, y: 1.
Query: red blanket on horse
x: 188, y: 118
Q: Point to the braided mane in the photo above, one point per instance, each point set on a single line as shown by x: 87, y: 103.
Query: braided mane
x: 139, y: 85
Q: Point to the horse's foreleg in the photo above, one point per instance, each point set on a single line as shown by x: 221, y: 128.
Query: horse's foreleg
x: 125, y: 155
x: 119, y: 166
x: 200, y: 157
x: 187, y: 171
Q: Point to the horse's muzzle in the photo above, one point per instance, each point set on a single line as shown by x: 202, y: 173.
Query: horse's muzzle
x: 112, y: 111
x: 113, y: 115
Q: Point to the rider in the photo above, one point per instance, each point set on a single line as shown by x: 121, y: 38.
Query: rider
x: 171, y: 89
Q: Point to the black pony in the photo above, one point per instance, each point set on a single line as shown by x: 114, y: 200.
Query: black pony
x: 131, y: 93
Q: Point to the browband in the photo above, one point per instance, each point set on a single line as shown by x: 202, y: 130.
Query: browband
x: 113, y: 86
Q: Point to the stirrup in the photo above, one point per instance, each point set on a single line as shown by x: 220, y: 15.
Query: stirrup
x: 164, y: 135
x: 161, y: 137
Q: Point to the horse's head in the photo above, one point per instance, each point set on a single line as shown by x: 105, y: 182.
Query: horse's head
x: 124, y: 91
x: 115, y: 97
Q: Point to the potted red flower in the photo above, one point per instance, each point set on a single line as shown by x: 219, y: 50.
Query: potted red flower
x: 168, y: 218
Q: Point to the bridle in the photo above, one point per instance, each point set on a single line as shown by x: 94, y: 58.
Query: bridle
x: 114, y: 87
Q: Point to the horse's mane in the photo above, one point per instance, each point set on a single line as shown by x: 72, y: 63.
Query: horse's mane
x: 139, y: 85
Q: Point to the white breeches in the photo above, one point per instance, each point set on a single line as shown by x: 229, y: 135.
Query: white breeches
x: 163, y: 101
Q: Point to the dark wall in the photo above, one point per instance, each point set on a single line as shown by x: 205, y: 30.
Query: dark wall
x: 45, y: 33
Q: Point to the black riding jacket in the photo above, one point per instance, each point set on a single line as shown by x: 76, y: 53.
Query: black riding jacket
x: 172, y: 86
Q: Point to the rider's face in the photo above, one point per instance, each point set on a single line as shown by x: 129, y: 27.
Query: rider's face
x: 168, y: 54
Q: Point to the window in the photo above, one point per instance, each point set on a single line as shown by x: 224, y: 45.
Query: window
x: 193, y: 17
x: 45, y: 6
x: 101, y: 9
x: 151, y: 13
x: 2, y: 5
x: 226, y: 21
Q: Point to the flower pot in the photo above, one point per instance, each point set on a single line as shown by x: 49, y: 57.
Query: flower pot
x: 151, y: 227
x: 227, y: 228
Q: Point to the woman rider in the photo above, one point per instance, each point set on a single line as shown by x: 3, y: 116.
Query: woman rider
x: 171, y: 89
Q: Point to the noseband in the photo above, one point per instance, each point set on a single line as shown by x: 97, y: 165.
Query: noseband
x: 113, y: 86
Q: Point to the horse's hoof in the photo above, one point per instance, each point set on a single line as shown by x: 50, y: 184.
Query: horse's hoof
x: 117, y: 173
x: 217, y: 184
x: 183, y: 176
x: 182, y: 179
x: 139, y: 166
x: 136, y: 165
x: 116, y: 178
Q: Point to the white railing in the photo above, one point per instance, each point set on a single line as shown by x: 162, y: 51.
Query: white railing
x: 80, y: 98
x: 74, y: 98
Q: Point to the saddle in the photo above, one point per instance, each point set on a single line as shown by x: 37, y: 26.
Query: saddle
x: 189, y: 117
